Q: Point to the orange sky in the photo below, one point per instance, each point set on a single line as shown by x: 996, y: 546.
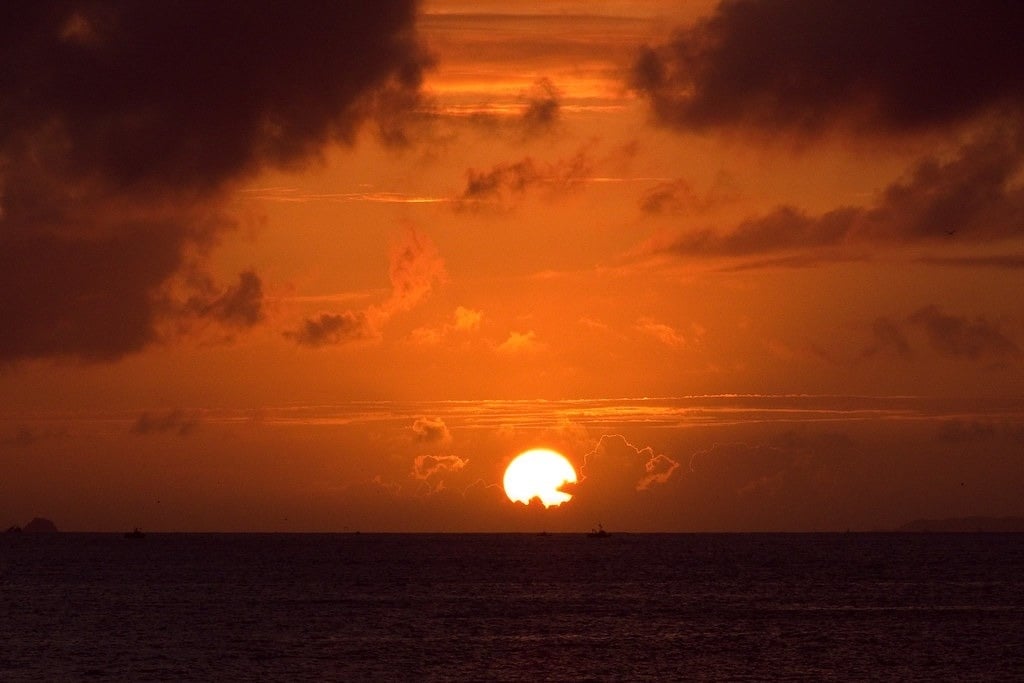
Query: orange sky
x: 750, y: 267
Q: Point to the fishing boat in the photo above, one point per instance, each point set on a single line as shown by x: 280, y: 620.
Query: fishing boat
x: 599, y: 532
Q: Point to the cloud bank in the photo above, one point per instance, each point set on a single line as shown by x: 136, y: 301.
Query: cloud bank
x: 808, y: 65
x: 122, y: 124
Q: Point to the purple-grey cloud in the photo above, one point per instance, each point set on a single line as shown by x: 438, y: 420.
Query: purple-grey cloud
x: 962, y: 337
x: 808, y: 65
x: 122, y: 124
x: 971, y: 198
x: 333, y: 328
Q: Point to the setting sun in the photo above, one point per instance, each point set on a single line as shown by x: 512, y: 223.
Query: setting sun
x: 539, y: 473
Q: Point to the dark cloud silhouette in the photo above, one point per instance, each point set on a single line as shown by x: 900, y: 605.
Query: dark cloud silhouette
x: 240, y: 305
x: 950, y: 335
x: 122, y: 124
x: 668, y: 197
x: 806, y: 65
x: 333, y: 328
x: 176, y: 421
x: 508, y: 182
x: 961, y: 337
x: 543, y: 108
x: 972, y: 197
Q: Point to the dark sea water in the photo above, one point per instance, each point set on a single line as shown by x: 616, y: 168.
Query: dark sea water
x: 512, y: 607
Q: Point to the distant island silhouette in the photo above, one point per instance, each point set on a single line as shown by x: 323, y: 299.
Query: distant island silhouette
x: 38, y: 525
x: 966, y: 525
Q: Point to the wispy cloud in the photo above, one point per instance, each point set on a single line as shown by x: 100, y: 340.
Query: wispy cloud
x: 291, y: 195
x: 972, y: 198
x: 415, y: 268
x: 177, y: 422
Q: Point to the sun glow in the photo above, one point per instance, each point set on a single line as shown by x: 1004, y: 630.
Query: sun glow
x: 539, y: 473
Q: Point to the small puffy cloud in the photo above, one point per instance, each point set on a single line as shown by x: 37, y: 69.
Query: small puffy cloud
x: 333, y: 328
x: 467, y: 319
x: 668, y: 197
x: 521, y: 342
x: 240, y: 305
x: 666, y: 334
x: 434, y: 471
x: 427, y: 466
x: 176, y: 421
x: 464, y: 321
x: 431, y: 430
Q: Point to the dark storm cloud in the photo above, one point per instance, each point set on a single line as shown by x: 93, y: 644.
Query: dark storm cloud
x: 175, y: 421
x: 122, y: 124
x: 973, y: 197
x: 962, y: 337
x: 806, y: 65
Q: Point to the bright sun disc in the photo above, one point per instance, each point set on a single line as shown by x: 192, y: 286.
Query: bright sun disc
x: 539, y: 473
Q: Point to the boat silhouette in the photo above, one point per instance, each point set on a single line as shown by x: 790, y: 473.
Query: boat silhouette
x: 599, y: 532
x: 136, y: 533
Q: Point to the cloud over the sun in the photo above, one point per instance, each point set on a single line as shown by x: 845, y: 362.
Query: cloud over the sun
x: 122, y: 124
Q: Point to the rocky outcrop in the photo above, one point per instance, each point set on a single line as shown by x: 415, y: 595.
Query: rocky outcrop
x: 40, y: 525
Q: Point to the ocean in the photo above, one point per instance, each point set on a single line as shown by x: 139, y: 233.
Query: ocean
x: 730, y: 607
